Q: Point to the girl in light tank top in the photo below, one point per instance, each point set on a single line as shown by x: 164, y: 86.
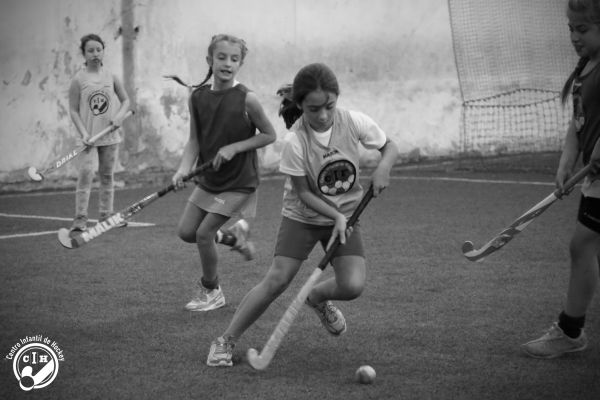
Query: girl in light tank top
x: 321, y: 160
x: 97, y: 99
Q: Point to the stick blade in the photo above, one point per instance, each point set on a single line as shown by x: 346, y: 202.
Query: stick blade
x: 64, y: 237
x: 469, y: 251
x: 467, y: 247
x: 255, y: 360
x: 34, y: 175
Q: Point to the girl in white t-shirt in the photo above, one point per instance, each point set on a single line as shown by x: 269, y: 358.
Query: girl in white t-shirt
x: 321, y: 161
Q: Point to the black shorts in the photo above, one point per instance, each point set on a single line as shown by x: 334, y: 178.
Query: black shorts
x: 589, y: 213
x: 297, y: 239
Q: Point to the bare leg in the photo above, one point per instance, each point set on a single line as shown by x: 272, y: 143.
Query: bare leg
x: 258, y: 299
x: 84, y: 182
x: 584, y: 270
x: 347, y: 284
x: 107, y: 156
x: 205, y: 241
x: 194, y: 226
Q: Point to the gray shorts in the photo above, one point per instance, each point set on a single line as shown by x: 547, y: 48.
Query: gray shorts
x: 229, y: 204
x: 297, y: 239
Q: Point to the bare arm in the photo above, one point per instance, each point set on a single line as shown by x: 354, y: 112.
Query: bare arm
x: 266, y: 132
x: 381, y: 176
x: 266, y: 135
x: 123, y: 98
x: 568, y: 158
x: 74, y: 94
x: 595, y: 161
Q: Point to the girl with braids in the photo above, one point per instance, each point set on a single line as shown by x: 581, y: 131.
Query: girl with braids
x: 224, y: 117
x: 321, y: 161
x: 567, y: 335
x: 97, y: 99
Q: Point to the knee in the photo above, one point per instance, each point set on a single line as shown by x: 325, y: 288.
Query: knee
x: 186, y: 235
x: 580, y: 253
x: 204, y: 238
x: 106, y: 178
x: 85, y: 177
x: 353, y: 288
x: 275, y: 285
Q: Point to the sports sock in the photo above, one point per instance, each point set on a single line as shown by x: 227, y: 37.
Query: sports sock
x: 210, y: 285
x: 218, y: 236
x: 310, y: 303
x: 229, y: 338
x: 225, y: 238
x: 571, y: 326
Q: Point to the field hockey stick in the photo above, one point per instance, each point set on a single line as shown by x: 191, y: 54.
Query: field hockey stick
x: 72, y: 240
x: 38, y: 175
x: 262, y: 360
x: 521, y: 223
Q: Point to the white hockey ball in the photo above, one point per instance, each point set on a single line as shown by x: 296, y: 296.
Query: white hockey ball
x: 365, y: 374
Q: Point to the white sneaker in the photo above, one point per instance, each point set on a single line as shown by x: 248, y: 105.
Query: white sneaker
x: 221, y: 353
x: 206, y: 299
x: 79, y: 224
x: 554, y: 343
x: 331, y: 317
x: 241, y: 231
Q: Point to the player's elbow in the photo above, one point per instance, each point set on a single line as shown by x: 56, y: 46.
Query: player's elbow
x: 269, y: 137
x: 390, y: 151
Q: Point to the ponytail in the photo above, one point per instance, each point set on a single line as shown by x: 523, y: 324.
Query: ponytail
x: 192, y: 87
x: 288, y: 109
x: 566, y: 90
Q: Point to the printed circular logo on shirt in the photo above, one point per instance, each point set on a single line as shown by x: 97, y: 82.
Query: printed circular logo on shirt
x: 35, y: 366
x: 337, y: 177
x: 99, y: 103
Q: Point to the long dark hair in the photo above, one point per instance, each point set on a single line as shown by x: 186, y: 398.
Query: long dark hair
x: 211, y: 47
x: 591, y: 10
x: 566, y: 90
x: 312, y: 77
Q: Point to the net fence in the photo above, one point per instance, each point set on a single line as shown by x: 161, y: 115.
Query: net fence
x: 512, y: 58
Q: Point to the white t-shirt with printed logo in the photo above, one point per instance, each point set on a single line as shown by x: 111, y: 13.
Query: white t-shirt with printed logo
x: 330, y: 162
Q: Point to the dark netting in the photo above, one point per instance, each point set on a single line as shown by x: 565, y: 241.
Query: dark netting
x: 512, y: 58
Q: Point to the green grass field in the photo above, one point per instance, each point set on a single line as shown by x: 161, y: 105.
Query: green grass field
x: 431, y: 323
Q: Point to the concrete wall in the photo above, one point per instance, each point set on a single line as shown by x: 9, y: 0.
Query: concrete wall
x: 393, y: 59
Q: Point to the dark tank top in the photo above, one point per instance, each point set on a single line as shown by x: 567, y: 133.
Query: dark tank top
x: 221, y: 119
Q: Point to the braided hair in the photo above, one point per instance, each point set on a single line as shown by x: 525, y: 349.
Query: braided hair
x: 211, y: 47
x: 566, y: 90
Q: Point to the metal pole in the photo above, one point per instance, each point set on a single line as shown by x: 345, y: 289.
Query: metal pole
x: 129, y: 33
